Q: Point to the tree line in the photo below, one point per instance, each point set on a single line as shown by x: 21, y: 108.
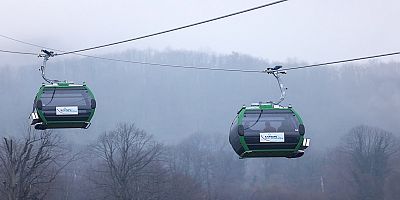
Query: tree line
x: 127, y: 163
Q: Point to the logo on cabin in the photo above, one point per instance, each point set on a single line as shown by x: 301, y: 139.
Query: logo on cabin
x: 67, y: 110
x: 272, y: 137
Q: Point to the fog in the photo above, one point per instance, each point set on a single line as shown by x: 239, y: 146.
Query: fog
x: 173, y: 103
x: 162, y: 133
x: 307, y: 30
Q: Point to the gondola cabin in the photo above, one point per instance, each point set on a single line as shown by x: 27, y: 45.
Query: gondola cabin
x: 63, y: 105
x: 268, y: 130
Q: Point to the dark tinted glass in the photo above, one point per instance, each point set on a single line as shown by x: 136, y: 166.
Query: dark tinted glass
x: 65, y: 97
x: 270, y: 121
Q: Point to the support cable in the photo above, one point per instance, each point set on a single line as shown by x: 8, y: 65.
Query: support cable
x: 175, y: 29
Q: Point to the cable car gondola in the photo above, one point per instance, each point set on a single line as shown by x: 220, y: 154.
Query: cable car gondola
x: 268, y: 129
x: 61, y: 104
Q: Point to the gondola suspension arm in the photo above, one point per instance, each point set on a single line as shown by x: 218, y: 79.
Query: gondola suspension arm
x: 46, y: 55
x: 277, y: 74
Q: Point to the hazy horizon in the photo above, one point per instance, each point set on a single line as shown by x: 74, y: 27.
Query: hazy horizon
x: 306, y: 31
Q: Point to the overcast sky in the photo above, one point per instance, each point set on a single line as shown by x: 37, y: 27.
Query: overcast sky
x: 306, y: 30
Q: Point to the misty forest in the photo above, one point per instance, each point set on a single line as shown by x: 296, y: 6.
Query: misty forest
x: 162, y: 133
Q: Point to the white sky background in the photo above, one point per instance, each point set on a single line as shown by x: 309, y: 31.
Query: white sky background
x: 306, y: 30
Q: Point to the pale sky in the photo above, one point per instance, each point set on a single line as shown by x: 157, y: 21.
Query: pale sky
x: 306, y: 30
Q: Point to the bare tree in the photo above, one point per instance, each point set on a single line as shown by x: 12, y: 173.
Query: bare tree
x: 29, y: 165
x: 72, y: 182
x: 392, y: 186
x: 182, y: 187
x: 124, y: 155
x: 207, y: 163
x: 363, y: 162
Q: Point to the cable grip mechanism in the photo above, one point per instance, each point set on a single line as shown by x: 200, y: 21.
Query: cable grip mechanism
x: 277, y: 74
x: 45, y: 54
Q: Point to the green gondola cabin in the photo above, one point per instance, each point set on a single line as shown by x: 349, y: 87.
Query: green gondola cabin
x: 268, y: 130
x: 63, y: 105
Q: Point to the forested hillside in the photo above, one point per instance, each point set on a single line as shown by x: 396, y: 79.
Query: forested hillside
x: 162, y: 133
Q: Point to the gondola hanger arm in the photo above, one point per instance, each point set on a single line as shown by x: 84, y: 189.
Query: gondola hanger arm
x: 277, y: 74
x: 45, y: 54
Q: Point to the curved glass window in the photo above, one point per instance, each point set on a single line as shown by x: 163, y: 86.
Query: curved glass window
x: 65, y: 97
x: 270, y: 121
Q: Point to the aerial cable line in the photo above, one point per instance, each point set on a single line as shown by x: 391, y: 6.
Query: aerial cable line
x: 249, y: 70
x: 177, y: 66
x: 208, y: 68
x: 136, y: 62
x: 28, y: 43
x: 175, y: 29
x: 341, y: 61
x: 244, y: 70
x: 18, y: 52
